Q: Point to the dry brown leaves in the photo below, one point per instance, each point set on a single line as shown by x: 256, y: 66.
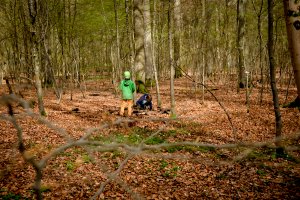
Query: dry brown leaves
x: 186, y: 173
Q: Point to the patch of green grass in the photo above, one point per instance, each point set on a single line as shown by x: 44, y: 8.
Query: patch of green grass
x: 169, y: 169
x: 163, y: 164
x: 12, y: 196
x: 86, y: 158
x: 206, y: 149
x: 175, y: 148
x: 134, y: 139
x: 257, y: 155
x: 141, y: 131
x: 154, y: 140
x: 261, y: 172
x: 70, y: 165
x: 45, y: 189
x: 116, y: 154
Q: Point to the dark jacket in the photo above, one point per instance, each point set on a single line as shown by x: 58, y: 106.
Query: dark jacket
x: 144, y: 102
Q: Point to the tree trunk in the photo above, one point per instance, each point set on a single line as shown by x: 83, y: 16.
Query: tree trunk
x: 177, y: 38
x: 278, y: 120
x: 32, y: 4
x: 292, y: 16
x: 117, y: 41
x: 148, y: 44
x: 241, y: 5
x: 171, y: 59
x: 139, y: 58
x: 154, y: 42
x: 259, y: 35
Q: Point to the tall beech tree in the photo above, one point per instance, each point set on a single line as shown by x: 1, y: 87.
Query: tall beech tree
x: 139, y: 58
x: 292, y: 16
x: 148, y: 43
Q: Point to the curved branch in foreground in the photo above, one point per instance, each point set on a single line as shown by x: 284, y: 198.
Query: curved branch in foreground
x: 221, y: 105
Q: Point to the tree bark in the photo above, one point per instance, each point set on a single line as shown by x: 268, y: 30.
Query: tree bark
x: 148, y: 44
x: 241, y: 5
x: 292, y: 16
x: 177, y: 38
x: 154, y: 41
x: 33, y: 12
x: 171, y: 59
x: 117, y: 41
x: 139, y: 58
x: 278, y: 121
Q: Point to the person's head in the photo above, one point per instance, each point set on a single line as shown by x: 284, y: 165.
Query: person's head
x: 149, y: 98
x: 127, y: 75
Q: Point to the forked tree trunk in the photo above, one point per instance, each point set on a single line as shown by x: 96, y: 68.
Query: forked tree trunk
x: 292, y: 15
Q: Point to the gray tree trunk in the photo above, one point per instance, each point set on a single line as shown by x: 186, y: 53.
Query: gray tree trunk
x: 292, y: 15
x: 148, y: 43
x: 177, y: 38
x: 241, y: 6
x: 139, y: 58
x: 32, y: 4
x: 154, y: 42
x: 278, y: 120
x: 171, y: 59
x: 117, y: 41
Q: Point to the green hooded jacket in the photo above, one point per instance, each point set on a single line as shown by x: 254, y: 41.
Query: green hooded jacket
x: 127, y: 87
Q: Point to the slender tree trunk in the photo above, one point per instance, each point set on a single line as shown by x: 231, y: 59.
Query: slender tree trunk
x: 33, y: 11
x: 278, y: 120
x: 292, y: 15
x: 154, y: 42
x: 177, y: 38
x: 171, y: 59
x: 261, y: 66
x: 117, y: 40
x: 204, y: 47
x: 259, y: 36
x: 241, y: 5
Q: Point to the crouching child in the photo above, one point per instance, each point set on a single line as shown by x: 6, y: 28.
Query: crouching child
x: 145, y: 102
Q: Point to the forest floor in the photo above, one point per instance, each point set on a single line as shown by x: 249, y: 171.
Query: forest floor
x: 139, y: 150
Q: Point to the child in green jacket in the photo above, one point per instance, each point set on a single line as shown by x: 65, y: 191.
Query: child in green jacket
x: 127, y: 88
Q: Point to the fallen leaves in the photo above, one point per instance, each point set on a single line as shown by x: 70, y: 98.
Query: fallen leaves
x: 179, y: 173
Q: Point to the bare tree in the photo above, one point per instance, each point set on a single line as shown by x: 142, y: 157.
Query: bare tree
x: 241, y: 6
x: 171, y: 58
x: 278, y: 120
x: 33, y: 13
x: 177, y: 37
x: 154, y: 45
